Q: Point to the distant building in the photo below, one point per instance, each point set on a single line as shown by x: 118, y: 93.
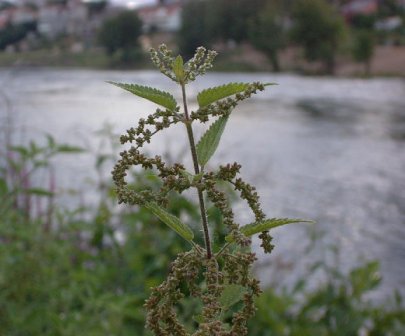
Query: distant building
x: 11, y: 14
x: 389, y: 24
x: 56, y: 18
x: 24, y: 15
x: 6, y: 13
x: 164, y: 16
x: 359, y: 7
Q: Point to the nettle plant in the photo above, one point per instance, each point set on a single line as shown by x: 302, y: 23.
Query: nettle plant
x: 218, y: 278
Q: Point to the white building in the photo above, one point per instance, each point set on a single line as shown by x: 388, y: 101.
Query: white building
x: 164, y: 16
x: 57, y: 18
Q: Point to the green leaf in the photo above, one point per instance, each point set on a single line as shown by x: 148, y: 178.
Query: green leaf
x: 51, y: 141
x: 187, y: 175
x: 69, y: 149
x: 178, y: 68
x: 365, y: 278
x: 40, y: 163
x: 267, y: 224
x: 172, y: 221
x: 208, y: 143
x: 232, y: 294
x: 190, y: 177
x: 161, y: 98
x: 211, y: 95
x: 3, y: 187
x: 198, y: 318
x: 34, y: 149
x: 40, y: 192
x: 23, y: 151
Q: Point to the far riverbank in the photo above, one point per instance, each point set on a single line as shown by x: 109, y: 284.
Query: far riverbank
x: 388, y: 61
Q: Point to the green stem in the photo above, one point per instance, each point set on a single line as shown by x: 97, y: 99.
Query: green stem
x: 222, y: 249
x: 197, y: 171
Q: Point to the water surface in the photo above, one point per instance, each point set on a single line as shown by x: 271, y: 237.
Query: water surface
x: 320, y: 148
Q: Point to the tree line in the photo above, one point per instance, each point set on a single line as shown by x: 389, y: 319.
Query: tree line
x: 316, y: 26
x: 271, y: 25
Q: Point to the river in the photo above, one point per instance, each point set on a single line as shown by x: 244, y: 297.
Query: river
x: 327, y: 149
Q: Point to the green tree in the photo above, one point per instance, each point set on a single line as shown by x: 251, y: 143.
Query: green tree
x: 193, y: 30
x: 230, y: 18
x: 266, y: 33
x: 319, y: 29
x: 207, y: 21
x: 362, y: 21
x: 389, y: 8
x: 12, y: 34
x: 363, y: 49
x: 120, y: 34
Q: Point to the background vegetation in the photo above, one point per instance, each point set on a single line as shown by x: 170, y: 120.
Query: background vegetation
x: 316, y: 31
x: 317, y: 27
x: 119, y: 36
x: 64, y: 270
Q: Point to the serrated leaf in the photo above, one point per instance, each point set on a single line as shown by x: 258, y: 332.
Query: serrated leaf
x: 211, y: 95
x: 39, y: 192
x: 178, y: 68
x: 231, y: 294
x: 161, y: 98
x: 208, y: 143
x: 267, y: 224
x: 170, y: 220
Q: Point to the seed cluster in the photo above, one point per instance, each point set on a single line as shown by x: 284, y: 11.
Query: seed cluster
x: 185, y: 271
x: 192, y: 273
x: 198, y: 65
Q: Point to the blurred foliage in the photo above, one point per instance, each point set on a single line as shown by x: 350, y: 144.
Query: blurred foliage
x: 362, y: 21
x: 119, y: 35
x: 266, y: 32
x: 339, y: 306
x: 316, y: 26
x: 388, y: 8
x: 193, y: 31
x: 229, y: 17
x: 217, y: 20
x: 11, y: 34
x: 363, y: 48
x: 319, y: 29
x: 89, y: 269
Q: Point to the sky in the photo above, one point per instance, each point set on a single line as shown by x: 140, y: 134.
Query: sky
x: 133, y: 3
